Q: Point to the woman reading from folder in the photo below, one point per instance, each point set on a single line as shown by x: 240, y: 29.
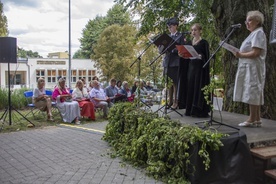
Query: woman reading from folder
x: 250, y: 77
x: 197, y: 76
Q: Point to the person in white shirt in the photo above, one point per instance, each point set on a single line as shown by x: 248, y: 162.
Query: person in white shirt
x: 99, y: 98
x: 250, y: 77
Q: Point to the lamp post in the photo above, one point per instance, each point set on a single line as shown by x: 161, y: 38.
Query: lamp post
x: 69, y: 60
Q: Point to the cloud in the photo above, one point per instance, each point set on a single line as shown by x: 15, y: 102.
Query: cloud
x: 43, y: 26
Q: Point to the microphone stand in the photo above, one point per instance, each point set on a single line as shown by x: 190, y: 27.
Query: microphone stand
x: 211, y: 120
x: 167, y: 78
x: 138, y: 59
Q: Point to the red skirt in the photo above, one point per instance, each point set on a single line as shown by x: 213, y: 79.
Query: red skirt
x: 87, y: 109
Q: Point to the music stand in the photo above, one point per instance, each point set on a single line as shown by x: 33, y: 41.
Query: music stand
x: 211, y: 120
x: 169, y: 44
x: 8, y: 55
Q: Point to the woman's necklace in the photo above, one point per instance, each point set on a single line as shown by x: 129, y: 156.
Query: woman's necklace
x: 195, y: 41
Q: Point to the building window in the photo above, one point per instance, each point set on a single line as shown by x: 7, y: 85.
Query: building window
x: 51, y: 76
x: 62, y: 73
x: 82, y: 74
x: 91, y: 74
x: 74, y: 76
x: 40, y: 74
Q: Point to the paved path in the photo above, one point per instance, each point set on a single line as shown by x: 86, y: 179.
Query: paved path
x: 63, y: 154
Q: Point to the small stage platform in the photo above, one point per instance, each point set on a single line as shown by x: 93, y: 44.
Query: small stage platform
x: 265, y: 133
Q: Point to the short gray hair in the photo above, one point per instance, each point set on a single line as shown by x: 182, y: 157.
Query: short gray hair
x: 256, y: 15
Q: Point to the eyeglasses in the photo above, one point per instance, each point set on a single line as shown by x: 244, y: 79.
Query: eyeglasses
x: 247, y: 21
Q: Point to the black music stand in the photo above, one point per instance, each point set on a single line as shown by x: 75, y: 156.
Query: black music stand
x: 211, y: 120
x: 168, y: 44
x: 8, y: 55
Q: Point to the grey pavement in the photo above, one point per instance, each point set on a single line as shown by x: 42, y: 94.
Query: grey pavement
x: 64, y: 154
x: 76, y: 154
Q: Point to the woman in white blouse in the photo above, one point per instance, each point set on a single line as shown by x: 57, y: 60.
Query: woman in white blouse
x: 250, y: 77
x: 41, y: 100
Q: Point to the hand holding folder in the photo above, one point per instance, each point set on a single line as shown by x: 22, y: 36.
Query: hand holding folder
x: 187, y: 51
x: 166, y: 41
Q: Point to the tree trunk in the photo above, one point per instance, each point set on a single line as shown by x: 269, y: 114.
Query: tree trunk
x: 232, y: 12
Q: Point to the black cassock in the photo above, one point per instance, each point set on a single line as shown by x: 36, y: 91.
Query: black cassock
x: 197, y: 78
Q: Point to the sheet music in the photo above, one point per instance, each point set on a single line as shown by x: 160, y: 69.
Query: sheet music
x: 188, y: 51
x: 229, y: 47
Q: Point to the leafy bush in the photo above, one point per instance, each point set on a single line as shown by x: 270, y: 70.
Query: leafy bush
x: 18, y: 100
x: 161, y: 145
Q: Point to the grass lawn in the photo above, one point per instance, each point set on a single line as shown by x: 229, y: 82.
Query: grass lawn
x: 39, y: 120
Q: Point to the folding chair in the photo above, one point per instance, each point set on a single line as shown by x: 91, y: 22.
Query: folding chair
x: 99, y: 111
x: 32, y: 108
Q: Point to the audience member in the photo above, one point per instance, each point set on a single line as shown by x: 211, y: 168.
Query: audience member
x: 80, y: 94
x: 69, y: 109
x: 148, y: 86
x: 99, y: 98
x: 112, y: 92
x: 126, y: 92
x: 42, y: 101
x: 119, y: 85
x: 134, y: 87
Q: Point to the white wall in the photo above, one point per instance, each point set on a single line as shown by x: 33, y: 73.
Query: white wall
x: 29, y: 69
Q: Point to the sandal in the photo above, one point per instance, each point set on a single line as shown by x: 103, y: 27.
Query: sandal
x: 257, y: 123
x: 246, y: 124
x: 50, y: 118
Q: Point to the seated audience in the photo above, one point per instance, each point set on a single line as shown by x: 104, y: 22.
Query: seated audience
x: 80, y: 94
x: 69, y: 109
x: 42, y: 101
x: 126, y: 92
x: 112, y: 92
x: 99, y: 98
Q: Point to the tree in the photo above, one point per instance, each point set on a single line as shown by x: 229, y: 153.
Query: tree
x: 3, y: 22
x: 27, y: 54
x: 114, y: 52
x: 216, y: 16
x: 90, y: 34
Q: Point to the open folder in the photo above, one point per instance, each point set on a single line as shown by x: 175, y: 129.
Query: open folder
x: 187, y: 51
x: 229, y: 47
x: 165, y: 40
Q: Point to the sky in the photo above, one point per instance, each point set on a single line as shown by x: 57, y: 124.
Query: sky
x: 43, y: 25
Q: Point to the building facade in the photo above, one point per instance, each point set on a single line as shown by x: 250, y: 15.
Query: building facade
x: 25, y: 73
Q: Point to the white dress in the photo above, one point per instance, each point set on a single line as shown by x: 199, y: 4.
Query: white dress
x: 250, y: 77
x: 68, y: 110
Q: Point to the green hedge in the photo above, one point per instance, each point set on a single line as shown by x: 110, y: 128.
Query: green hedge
x: 160, y: 145
x: 18, y: 101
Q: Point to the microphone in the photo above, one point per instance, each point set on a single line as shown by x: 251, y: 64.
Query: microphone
x: 236, y: 26
x: 186, y: 32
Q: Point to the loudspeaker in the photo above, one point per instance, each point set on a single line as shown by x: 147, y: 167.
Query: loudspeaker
x: 8, y: 50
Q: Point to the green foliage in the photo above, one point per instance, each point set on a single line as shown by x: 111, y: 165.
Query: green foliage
x: 93, y: 29
x: 18, y: 100
x: 164, y: 147
x: 154, y: 14
x: 27, y: 54
x: 113, y: 53
x: 3, y: 22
